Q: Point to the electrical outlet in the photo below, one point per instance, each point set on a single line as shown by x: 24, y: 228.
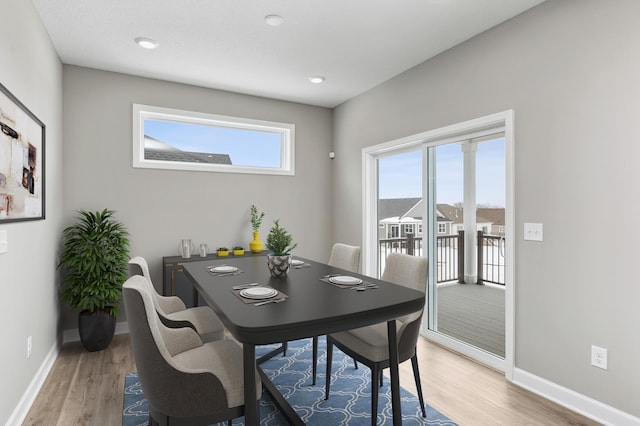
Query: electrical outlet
x: 29, y: 346
x: 599, y: 357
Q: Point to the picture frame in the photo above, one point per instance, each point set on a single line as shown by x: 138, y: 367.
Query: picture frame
x: 22, y: 161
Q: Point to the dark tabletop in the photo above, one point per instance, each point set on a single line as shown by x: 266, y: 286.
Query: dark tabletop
x: 313, y: 307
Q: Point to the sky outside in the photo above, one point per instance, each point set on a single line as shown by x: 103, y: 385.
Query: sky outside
x: 401, y: 175
x: 245, y: 147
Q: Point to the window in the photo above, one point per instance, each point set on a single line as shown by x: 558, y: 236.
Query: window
x: 166, y: 138
x: 419, y: 228
x: 408, y: 228
x: 442, y: 228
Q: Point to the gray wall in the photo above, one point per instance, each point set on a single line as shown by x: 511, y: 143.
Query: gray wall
x: 31, y: 70
x: 161, y: 207
x: 569, y: 69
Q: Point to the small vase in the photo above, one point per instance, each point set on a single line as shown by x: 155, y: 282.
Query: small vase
x: 278, y: 265
x: 256, y: 245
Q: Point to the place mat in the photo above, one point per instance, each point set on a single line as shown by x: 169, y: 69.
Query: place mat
x: 280, y: 295
x: 363, y: 283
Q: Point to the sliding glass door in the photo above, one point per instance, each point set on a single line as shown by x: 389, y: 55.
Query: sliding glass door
x: 445, y: 197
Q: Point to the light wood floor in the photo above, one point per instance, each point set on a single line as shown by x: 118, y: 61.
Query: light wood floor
x: 87, y: 389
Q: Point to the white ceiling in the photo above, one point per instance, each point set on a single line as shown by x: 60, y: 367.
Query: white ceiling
x: 226, y: 44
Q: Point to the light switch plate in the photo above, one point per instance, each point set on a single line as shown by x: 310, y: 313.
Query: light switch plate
x: 533, y: 231
x: 3, y: 241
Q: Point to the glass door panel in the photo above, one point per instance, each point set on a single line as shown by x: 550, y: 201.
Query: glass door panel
x: 399, y: 206
x: 465, y: 286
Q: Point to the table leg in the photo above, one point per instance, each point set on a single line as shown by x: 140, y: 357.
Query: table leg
x: 196, y: 297
x: 251, y: 404
x: 393, y: 367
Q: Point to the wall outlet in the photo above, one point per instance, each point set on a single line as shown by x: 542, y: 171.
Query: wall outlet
x: 599, y: 357
x: 29, y: 346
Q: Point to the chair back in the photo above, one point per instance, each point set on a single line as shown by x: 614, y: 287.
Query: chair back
x: 171, y: 389
x: 407, y: 271
x: 345, y: 257
x: 165, y: 306
x: 138, y: 266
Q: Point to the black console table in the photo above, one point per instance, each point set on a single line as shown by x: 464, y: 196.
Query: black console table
x: 175, y: 283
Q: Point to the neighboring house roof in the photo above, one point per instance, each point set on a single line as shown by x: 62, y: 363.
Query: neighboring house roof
x: 395, y: 207
x: 493, y: 215
x: 160, y: 151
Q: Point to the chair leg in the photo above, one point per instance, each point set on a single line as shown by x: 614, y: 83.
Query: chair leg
x: 229, y: 422
x: 315, y: 359
x: 285, y: 345
x: 355, y: 363
x: 329, y: 361
x: 416, y: 375
x: 381, y: 378
x: 375, y: 372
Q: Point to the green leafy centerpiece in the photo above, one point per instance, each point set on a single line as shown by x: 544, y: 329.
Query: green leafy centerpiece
x: 280, y: 242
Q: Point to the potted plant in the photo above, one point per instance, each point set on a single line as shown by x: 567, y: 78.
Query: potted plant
x: 238, y: 251
x: 280, y: 242
x: 223, y: 251
x: 256, y: 220
x: 94, y: 266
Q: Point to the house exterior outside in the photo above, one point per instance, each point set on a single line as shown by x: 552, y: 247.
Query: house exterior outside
x: 400, y: 216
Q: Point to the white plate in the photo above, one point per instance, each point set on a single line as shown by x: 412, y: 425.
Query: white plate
x: 258, y: 293
x: 345, y: 280
x: 224, y: 269
x: 295, y: 262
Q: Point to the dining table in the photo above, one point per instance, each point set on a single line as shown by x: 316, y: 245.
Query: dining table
x: 309, y: 305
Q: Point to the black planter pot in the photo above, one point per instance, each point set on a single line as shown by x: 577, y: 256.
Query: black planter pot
x: 96, y: 329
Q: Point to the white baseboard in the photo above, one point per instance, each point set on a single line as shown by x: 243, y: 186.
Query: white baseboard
x: 22, y: 409
x: 72, y: 335
x: 24, y: 405
x: 574, y: 401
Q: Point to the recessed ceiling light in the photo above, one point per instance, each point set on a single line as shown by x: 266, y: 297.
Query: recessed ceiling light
x: 147, y: 43
x: 316, y: 79
x: 273, y: 20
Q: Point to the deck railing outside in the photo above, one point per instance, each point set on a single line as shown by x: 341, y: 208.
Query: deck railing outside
x: 450, y: 255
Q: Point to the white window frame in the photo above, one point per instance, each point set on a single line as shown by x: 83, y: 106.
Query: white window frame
x: 144, y: 112
x: 442, y: 228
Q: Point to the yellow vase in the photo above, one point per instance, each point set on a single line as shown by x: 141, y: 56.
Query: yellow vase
x: 256, y: 245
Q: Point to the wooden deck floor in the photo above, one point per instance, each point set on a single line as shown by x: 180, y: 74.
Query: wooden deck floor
x: 473, y: 314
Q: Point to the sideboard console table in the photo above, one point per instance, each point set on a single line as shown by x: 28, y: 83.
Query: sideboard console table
x: 175, y: 283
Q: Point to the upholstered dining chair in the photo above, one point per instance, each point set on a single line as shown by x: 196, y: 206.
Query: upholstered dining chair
x: 345, y: 257
x: 184, y: 380
x: 173, y: 312
x: 369, y: 345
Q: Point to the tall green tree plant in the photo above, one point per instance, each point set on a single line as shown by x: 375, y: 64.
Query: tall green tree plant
x: 94, y: 262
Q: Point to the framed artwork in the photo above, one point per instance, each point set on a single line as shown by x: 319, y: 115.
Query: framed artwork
x: 22, y: 140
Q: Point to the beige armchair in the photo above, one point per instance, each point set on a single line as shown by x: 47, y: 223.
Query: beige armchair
x: 369, y: 345
x: 173, y: 312
x: 184, y: 380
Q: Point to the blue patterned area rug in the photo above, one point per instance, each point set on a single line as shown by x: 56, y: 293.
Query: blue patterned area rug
x: 349, y: 401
